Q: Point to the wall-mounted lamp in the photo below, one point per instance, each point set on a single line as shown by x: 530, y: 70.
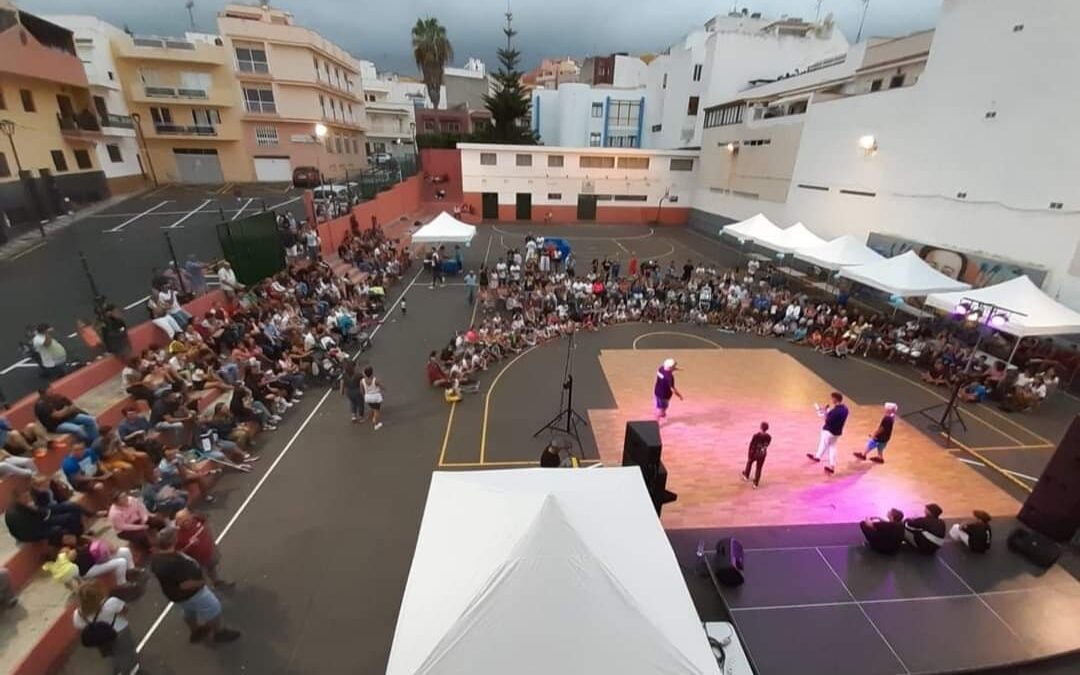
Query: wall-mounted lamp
x: 868, y: 144
x: 733, y: 148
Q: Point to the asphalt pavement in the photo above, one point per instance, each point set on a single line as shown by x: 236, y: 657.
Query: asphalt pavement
x: 122, y: 244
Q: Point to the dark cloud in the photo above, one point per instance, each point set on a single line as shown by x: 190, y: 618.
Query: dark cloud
x: 378, y: 30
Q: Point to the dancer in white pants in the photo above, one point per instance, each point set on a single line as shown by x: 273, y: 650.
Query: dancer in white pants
x: 835, y: 415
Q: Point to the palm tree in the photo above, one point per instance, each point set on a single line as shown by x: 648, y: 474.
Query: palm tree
x: 432, y: 51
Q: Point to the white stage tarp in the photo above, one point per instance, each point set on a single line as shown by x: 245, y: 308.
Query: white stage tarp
x: 1045, y: 316
x: 445, y: 229
x: 844, y: 251
x: 540, y: 571
x: 906, y: 275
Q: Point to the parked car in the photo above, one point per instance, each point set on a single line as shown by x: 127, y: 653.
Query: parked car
x: 305, y: 177
x: 335, y: 191
x: 380, y: 158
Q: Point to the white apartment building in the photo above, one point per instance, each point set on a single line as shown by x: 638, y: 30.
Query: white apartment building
x: 969, y: 147
x: 715, y: 63
x: 118, y: 152
x: 608, y: 185
x: 391, y: 103
x: 579, y: 115
x: 467, y: 86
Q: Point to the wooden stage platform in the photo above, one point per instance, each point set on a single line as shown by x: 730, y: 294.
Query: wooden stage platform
x: 728, y: 393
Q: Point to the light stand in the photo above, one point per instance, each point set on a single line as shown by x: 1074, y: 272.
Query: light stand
x: 567, y: 419
x: 986, y: 315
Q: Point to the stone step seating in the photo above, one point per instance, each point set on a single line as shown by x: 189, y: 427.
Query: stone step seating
x: 37, y: 635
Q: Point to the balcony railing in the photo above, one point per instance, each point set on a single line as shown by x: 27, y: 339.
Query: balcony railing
x: 252, y: 67
x: 163, y: 43
x: 117, y: 121
x: 185, y: 130
x: 79, y: 123
x: 175, y: 92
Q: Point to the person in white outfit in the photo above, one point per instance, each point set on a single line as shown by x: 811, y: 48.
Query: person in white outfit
x: 835, y: 415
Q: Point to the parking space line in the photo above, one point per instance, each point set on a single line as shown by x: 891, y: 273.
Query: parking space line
x: 18, y: 364
x: 132, y: 219
x: 246, y: 204
x: 284, y: 203
x: 137, y: 302
x: 189, y: 214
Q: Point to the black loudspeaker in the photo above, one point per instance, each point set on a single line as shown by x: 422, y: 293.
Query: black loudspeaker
x: 1038, y: 549
x: 729, y: 562
x: 1053, y: 508
x: 642, y: 448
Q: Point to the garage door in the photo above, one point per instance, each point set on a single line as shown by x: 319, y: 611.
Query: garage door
x: 198, y: 165
x: 273, y: 169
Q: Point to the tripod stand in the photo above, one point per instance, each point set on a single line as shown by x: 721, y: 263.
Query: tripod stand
x: 567, y: 419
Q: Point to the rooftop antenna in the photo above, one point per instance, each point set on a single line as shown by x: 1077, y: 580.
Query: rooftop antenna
x: 817, y: 13
x: 190, y: 5
x: 865, y: 6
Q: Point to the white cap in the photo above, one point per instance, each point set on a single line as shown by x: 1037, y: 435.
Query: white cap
x: 669, y: 364
x: 891, y: 407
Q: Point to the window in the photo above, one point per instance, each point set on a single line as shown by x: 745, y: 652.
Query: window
x: 633, y: 162
x: 337, y: 144
x: 594, y: 139
x: 27, y: 100
x: 555, y: 161
x: 315, y: 61
x: 5, y: 170
x: 161, y: 115
x: 657, y: 127
x: 692, y: 105
x: 554, y: 196
x: 487, y: 158
x: 429, y: 125
x: 594, y: 162
x: 59, y: 161
x: 622, y: 141
x: 523, y: 160
x: 724, y: 115
x: 875, y: 85
x: 697, y: 72
x: 205, y: 117
x: 259, y: 100
x: 251, y: 60
x: 896, y: 81
x: 680, y: 164
x: 630, y: 198
x: 370, y: 98
x: 663, y: 85
x: 82, y: 159
x: 3, y: 104
x: 597, y: 109
x: 453, y: 127
x: 114, y: 153
x: 624, y: 113
x: 266, y: 136
x: 100, y: 107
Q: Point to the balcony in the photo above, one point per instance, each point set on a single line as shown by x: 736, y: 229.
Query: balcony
x: 169, y: 49
x: 81, y: 126
x: 176, y: 92
x: 117, y: 121
x: 164, y: 129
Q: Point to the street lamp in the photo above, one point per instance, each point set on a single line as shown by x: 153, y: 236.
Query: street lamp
x: 320, y: 134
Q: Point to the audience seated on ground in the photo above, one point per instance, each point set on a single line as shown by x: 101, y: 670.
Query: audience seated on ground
x: 884, y: 535
x: 926, y: 534
x: 975, y: 534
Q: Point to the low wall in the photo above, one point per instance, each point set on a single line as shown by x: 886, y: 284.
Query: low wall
x: 388, y: 206
x: 708, y: 224
x: 606, y: 214
x: 98, y: 372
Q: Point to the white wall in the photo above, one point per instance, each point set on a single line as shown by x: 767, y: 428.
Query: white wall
x: 629, y: 72
x: 507, y: 178
x: 565, y: 114
x: 935, y: 141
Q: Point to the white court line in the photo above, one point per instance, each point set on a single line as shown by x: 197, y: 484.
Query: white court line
x: 284, y: 203
x: 972, y: 462
x: 137, y: 302
x: 17, y: 364
x: 132, y: 219
x: 189, y: 214
x: 246, y: 204
x: 277, y: 460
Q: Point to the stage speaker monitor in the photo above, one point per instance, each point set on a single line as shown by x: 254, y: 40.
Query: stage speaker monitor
x: 657, y: 487
x: 641, y: 445
x: 729, y: 562
x: 1053, y: 507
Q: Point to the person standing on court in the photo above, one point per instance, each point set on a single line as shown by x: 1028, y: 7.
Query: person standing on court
x: 352, y: 390
x: 470, y: 286
x: 665, y: 386
x: 759, y: 446
x: 373, y: 395
x: 183, y: 582
x: 880, y: 438
x: 835, y: 414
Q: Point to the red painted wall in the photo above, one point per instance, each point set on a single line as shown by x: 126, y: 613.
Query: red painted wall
x: 605, y: 214
x: 442, y: 162
x: 388, y: 206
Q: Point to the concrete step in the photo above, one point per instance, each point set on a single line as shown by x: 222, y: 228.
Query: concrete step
x: 37, y: 634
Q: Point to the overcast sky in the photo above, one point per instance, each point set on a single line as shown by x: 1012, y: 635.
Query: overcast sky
x: 378, y: 30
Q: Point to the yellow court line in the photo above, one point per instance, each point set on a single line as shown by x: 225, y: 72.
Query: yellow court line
x: 487, y: 400
x: 454, y: 465
x: 938, y: 396
x: 1015, y: 447
x: 996, y: 467
x: 670, y: 332
x: 446, y: 436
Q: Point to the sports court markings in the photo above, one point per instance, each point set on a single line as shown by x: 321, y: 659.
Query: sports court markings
x: 246, y: 204
x: 121, y: 226
x: 189, y: 214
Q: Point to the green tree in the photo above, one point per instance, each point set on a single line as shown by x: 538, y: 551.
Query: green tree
x: 509, y: 104
x: 432, y: 51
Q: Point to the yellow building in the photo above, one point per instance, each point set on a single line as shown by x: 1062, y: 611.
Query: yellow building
x: 48, y: 159
x: 184, y: 98
x: 293, y: 82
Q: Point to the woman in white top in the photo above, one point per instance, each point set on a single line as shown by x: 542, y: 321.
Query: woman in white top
x: 373, y: 395
x: 95, y: 607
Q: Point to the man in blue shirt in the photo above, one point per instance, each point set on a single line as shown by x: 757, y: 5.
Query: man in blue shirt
x: 665, y: 386
x: 835, y: 414
x: 83, y: 469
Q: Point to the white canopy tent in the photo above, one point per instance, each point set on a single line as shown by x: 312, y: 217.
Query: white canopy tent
x: 906, y: 275
x: 445, y: 229
x: 843, y: 251
x: 756, y: 228
x: 794, y: 238
x: 1044, y: 315
x: 540, y: 571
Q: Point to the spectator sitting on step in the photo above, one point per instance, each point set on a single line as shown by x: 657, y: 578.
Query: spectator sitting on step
x: 170, y: 415
x: 162, y: 498
x: 11, y: 465
x: 27, y: 522
x: 83, y: 470
x: 134, y: 426
x: 175, y: 471
x: 22, y: 442
x: 55, y: 495
x: 975, y: 534
x: 132, y: 522
x: 926, y: 534
x: 884, y: 535
x: 128, y: 466
x: 59, y: 415
x: 96, y: 558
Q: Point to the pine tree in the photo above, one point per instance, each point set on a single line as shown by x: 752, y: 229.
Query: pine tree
x: 509, y: 104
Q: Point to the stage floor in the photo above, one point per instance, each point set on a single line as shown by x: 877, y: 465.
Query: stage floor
x: 728, y: 393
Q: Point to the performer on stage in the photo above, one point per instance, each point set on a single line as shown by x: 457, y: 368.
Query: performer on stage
x: 880, y: 438
x: 835, y: 415
x: 665, y: 386
x: 755, y: 455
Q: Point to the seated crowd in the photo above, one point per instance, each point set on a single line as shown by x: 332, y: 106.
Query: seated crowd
x: 927, y: 533
x: 536, y: 296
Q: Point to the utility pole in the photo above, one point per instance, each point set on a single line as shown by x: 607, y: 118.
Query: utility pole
x: 862, y: 20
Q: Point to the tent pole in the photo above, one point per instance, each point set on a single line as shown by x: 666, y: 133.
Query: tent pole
x: 1013, y: 352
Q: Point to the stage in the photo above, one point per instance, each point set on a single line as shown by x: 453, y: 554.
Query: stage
x: 728, y: 392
